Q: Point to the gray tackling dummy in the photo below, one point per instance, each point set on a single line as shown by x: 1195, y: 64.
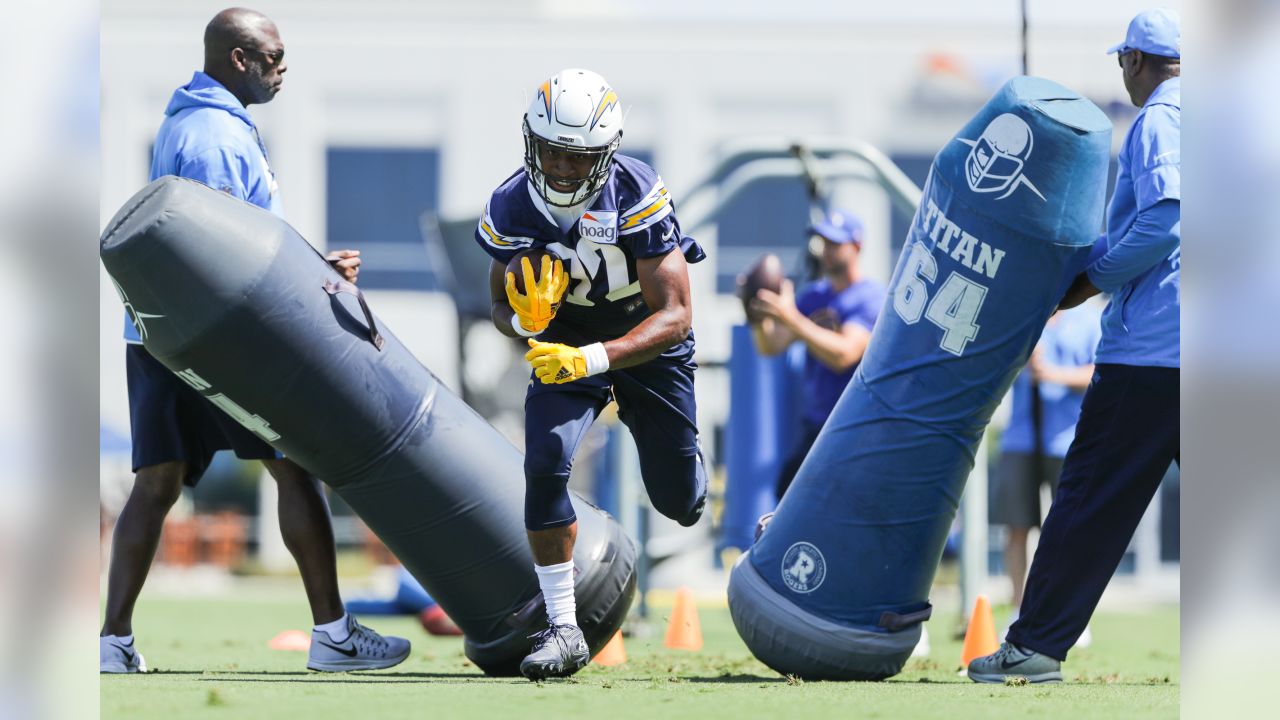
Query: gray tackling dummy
x: 241, y: 307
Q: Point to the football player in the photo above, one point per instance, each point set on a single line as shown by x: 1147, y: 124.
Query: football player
x: 609, y: 319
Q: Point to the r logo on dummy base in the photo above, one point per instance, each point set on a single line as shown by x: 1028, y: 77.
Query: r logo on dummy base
x: 803, y: 567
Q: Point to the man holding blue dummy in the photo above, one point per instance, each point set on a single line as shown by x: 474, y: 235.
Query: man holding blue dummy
x: 838, y: 585
x: 1128, y: 429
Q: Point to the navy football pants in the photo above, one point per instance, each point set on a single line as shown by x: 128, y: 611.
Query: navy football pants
x: 655, y: 401
x: 1125, y: 440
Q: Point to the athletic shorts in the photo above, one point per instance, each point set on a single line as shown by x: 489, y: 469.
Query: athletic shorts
x: 170, y: 421
x: 1017, y: 491
x: 655, y: 401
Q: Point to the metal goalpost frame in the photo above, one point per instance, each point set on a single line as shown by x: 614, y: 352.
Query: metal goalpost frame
x: 818, y: 161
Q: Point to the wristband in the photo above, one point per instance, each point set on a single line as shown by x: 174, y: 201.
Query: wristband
x: 515, y: 323
x: 597, y: 358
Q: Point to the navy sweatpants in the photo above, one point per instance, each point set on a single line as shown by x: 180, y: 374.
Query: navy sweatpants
x: 655, y: 401
x: 1125, y: 440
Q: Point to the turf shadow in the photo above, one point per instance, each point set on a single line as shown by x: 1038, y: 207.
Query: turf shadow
x: 732, y: 679
x: 302, y: 676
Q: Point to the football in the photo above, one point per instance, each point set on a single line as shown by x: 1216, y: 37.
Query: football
x: 535, y: 259
x: 765, y: 274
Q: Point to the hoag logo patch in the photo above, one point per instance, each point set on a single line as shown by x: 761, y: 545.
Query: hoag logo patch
x: 601, y: 227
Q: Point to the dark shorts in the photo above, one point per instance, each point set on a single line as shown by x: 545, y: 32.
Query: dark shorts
x: 170, y: 421
x: 655, y: 402
x: 1017, y: 489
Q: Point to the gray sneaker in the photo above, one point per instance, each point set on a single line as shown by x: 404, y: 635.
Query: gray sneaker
x: 115, y: 656
x: 363, y: 649
x: 559, y: 651
x: 1011, y: 661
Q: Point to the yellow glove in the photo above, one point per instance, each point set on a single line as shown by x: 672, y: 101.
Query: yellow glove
x: 559, y: 364
x: 537, y: 305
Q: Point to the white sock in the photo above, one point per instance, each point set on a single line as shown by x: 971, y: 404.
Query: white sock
x: 125, y: 640
x: 556, y: 582
x: 336, y: 630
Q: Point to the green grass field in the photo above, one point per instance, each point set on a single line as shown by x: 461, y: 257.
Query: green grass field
x: 210, y: 660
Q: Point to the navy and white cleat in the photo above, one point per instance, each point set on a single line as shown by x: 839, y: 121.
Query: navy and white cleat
x: 559, y: 651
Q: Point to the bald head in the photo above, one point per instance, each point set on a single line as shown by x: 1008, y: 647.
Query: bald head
x: 243, y: 51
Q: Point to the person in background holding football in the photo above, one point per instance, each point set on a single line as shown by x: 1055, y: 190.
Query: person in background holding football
x: 608, y: 316
x: 833, y: 316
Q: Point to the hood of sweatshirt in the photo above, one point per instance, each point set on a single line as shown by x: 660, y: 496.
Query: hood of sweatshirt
x: 204, y: 91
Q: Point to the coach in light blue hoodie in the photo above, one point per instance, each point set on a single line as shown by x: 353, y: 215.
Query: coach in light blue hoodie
x: 1128, y: 432
x: 207, y: 135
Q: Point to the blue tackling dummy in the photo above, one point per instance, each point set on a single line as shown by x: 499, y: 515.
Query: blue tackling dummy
x: 839, y: 582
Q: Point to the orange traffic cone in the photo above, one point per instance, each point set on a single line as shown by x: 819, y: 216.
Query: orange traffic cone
x: 613, y: 653
x: 295, y: 640
x: 684, y: 632
x: 980, y: 637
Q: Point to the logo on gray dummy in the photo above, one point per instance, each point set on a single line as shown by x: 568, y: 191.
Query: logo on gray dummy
x: 998, y: 157
x: 135, y: 316
x: 803, y: 567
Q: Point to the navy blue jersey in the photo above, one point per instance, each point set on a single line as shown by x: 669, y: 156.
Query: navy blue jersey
x: 632, y: 218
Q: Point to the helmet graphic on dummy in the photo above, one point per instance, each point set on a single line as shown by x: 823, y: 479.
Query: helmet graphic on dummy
x: 997, y: 157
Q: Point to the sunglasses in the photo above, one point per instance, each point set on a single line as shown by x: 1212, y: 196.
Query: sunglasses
x: 276, y: 57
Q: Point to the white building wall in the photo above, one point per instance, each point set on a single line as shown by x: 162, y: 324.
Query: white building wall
x: 457, y: 75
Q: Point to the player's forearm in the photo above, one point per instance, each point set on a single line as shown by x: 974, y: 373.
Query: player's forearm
x: 1155, y: 234
x: 503, y: 318
x: 833, y: 349
x: 770, y: 337
x: 1075, y: 378
x: 655, y: 335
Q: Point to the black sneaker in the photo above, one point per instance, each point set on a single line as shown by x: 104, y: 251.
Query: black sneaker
x: 558, y: 651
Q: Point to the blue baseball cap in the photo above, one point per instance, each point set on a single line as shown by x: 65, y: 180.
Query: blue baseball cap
x: 839, y: 227
x: 1158, y: 32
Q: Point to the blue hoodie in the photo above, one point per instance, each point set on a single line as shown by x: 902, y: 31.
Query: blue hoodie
x: 1142, y: 263
x: 207, y: 135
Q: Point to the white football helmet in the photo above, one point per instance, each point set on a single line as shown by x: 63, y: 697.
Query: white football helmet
x: 571, y: 131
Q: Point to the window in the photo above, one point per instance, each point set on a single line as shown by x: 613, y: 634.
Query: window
x: 375, y: 201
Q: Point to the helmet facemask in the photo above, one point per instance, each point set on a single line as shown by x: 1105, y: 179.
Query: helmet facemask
x: 991, y: 169
x: 997, y: 158
x: 584, y: 187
